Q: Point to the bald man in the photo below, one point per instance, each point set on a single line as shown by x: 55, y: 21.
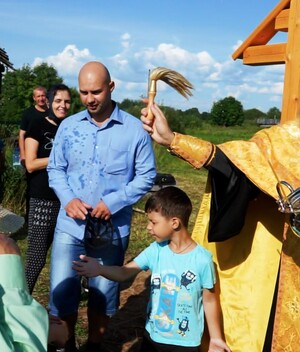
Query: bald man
x: 102, y: 162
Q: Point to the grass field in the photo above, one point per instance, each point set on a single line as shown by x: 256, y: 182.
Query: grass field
x: 190, y: 180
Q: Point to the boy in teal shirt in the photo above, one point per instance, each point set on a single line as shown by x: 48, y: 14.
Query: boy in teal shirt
x: 182, y: 279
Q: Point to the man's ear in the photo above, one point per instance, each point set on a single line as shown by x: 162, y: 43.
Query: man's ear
x: 111, y: 86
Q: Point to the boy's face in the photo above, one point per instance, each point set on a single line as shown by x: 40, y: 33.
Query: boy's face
x: 160, y: 227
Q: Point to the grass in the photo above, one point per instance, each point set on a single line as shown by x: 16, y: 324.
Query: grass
x: 191, y: 181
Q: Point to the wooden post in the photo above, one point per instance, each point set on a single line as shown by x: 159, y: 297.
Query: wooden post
x: 255, y: 50
x: 291, y: 89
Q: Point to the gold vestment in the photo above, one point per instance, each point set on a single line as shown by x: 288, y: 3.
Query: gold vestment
x: 247, y: 264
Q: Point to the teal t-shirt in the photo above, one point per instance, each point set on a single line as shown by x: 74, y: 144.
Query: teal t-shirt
x: 23, y: 321
x: 175, y: 311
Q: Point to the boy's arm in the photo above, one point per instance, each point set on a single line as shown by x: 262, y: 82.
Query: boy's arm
x: 212, y: 312
x: 90, y: 267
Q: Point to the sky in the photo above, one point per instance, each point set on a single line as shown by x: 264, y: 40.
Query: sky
x: 193, y: 37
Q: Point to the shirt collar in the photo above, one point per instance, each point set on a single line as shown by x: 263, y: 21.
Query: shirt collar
x: 115, y: 115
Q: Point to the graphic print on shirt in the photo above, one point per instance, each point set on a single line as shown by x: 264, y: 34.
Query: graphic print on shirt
x: 164, y: 318
x: 155, y: 283
x: 174, y: 300
x: 183, y: 326
x: 50, y: 138
x: 187, y: 278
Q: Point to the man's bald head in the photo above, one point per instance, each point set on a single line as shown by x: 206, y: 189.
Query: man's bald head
x: 92, y: 69
x: 95, y: 88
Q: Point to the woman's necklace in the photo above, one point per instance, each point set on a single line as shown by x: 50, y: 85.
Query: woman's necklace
x: 184, y: 249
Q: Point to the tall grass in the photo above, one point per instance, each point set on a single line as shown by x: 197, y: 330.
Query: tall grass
x: 13, y: 181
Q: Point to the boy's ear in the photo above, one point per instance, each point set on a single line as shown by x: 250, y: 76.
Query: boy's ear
x: 175, y: 223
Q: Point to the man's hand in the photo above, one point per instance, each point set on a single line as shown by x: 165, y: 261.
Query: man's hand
x: 158, y: 128
x: 8, y: 245
x: 101, y: 211
x: 77, y: 209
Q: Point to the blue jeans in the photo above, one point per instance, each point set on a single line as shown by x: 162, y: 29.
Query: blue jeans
x: 65, y: 286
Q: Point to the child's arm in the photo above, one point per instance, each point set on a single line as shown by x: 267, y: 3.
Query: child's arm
x: 212, y: 311
x: 90, y: 267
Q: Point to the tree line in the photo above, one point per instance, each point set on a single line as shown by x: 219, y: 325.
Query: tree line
x: 16, y: 95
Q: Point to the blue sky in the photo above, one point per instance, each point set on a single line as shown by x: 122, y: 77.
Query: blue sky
x: 193, y: 37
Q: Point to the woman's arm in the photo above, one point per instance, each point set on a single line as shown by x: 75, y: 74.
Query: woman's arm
x: 32, y: 162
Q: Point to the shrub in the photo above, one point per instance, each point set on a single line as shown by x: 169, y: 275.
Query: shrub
x: 12, y: 181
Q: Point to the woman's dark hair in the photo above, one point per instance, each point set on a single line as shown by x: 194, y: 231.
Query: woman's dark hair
x: 54, y: 89
x: 170, y: 202
x: 50, y: 96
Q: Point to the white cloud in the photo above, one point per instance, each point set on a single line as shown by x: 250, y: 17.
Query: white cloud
x: 125, y: 40
x: 68, y: 62
x: 213, y: 80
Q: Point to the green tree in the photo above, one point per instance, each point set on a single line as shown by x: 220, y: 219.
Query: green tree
x: 76, y: 104
x: 205, y: 116
x: 16, y: 94
x: 46, y: 76
x: 227, y: 112
x: 274, y: 113
x: 253, y: 114
x: 191, y: 118
x: 133, y: 107
x: 17, y: 89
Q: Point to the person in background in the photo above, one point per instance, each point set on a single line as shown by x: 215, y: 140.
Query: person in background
x: 102, y: 162
x: 239, y: 222
x: 38, y: 111
x: 43, y: 202
x: 182, y: 274
x: 23, y: 321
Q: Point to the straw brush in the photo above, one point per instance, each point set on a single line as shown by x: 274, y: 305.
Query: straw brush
x: 173, y: 79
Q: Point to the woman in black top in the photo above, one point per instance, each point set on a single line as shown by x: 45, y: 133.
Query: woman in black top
x: 43, y: 203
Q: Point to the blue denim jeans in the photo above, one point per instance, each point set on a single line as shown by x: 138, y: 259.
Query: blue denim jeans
x: 65, y: 286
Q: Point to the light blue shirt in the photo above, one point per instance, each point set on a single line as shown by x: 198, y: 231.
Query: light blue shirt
x: 114, y: 163
x: 175, y: 311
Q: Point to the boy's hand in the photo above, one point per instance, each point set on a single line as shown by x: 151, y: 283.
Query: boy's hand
x: 218, y: 345
x: 87, y: 266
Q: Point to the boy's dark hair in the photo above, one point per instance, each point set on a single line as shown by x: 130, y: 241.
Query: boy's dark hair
x: 171, y: 202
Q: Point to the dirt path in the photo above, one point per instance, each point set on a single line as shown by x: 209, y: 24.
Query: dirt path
x: 127, y: 326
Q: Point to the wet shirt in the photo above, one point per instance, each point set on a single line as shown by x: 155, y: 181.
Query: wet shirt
x: 114, y: 163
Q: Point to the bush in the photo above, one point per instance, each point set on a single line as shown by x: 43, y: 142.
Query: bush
x: 12, y: 181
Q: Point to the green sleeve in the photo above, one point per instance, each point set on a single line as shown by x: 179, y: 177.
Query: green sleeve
x: 23, y: 321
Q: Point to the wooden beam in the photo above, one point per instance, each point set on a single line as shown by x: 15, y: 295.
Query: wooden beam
x: 291, y: 89
x: 265, y: 54
x: 282, y: 21
x: 264, y: 32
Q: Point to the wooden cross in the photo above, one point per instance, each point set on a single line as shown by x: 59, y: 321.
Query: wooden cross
x: 255, y: 50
